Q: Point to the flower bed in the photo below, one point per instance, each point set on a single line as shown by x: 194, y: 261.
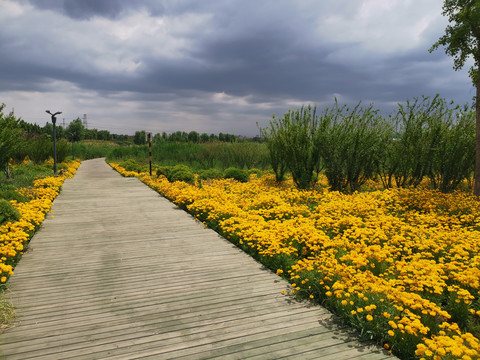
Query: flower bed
x: 402, y: 266
x: 14, y: 236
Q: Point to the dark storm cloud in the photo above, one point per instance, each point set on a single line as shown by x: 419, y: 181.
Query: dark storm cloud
x: 86, y: 9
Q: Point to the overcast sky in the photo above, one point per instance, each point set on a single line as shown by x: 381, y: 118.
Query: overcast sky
x: 217, y: 65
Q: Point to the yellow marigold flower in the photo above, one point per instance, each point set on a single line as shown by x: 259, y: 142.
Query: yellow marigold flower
x: 279, y: 271
x: 283, y: 292
x: 3, y: 279
x: 391, y: 333
x: 311, y: 296
x: 344, y: 302
x: 353, y: 312
x: 328, y: 293
x: 360, y: 310
x: 386, y: 346
x: 392, y: 324
x: 369, y: 317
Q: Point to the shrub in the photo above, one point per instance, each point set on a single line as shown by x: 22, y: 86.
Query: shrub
x: 351, y: 143
x: 183, y: 175
x: 164, y: 170
x: 40, y: 149
x: 237, y: 174
x: 130, y: 165
x: 9, y: 135
x: 291, y: 144
x: 8, y: 192
x: 210, y: 174
x: 63, y: 150
x: 454, y: 157
x: 421, y: 125
x: 256, y: 172
x: 8, y: 212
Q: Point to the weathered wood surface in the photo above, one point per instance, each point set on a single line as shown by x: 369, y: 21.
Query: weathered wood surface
x: 118, y: 272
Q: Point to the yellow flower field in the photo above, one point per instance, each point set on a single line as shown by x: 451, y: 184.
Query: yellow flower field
x: 14, y: 236
x: 400, y: 265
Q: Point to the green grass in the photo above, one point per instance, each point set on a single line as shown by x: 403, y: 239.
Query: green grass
x: 7, y: 312
x: 24, y: 175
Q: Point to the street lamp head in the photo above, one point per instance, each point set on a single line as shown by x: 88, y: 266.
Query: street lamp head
x: 57, y: 113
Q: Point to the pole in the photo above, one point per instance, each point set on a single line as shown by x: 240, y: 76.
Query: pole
x: 150, y: 151
x: 54, y: 120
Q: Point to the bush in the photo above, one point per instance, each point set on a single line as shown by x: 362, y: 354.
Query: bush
x: 8, y: 212
x: 210, y: 174
x: 164, y: 170
x: 8, y: 192
x: 351, y: 143
x: 291, y: 145
x: 183, y: 175
x: 257, y: 172
x: 63, y: 150
x: 40, y: 149
x: 131, y: 165
x: 237, y: 174
x: 9, y: 135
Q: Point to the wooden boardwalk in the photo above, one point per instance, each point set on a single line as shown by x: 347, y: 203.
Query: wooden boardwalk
x: 120, y: 273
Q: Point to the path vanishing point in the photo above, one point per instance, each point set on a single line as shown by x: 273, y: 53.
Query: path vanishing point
x: 118, y: 272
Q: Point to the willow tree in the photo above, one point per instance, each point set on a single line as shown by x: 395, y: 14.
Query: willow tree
x: 462, y: 41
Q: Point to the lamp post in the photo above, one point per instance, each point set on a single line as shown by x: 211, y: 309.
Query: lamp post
x: 54, y: 120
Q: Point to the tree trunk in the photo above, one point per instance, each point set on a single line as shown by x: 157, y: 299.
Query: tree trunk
x: 476, y: 190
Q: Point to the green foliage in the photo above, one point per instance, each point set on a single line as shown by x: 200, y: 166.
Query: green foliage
x: 132, y: 165
x: 278, y: 157
x: 181, y: 173
x: 9, y: 135
x: 7, y: 311
x: 462, y: 35
x: 140, y: 137
x: 8, y: 212
x: 210, y: 174
x: 8, y: 192
x: 75, y: 131
x: 350, y: 142
x: 211, y: 154
x: 292, y: 140
x: 257, y: 172
x: 236, y: 174
x: 63, y: 150
x: 454, y: 157
x: 421, y: 144
x: 164, y: 170
x: 40, y: 149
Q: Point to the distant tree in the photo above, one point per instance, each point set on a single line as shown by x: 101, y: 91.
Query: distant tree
x: 104, y: 135
x: 178, y: 136
x: 9, y: 133
x: 140, y: 137
x: 91, y: 134
x: 193, y: 137
x: 204, y: 138
x: 75, y: 130
x: 30, y: 129
x: 462, y: 40
x: 213, y: 137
